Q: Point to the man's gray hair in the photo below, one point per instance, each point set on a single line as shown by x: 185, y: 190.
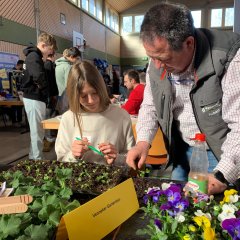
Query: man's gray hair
x: 173, y: 22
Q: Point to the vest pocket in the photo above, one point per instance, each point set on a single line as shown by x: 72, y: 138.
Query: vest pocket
x: 211, y: 110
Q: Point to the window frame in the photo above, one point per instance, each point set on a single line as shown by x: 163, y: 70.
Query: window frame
x: 113, y: 17
x: 133, y: 23
x: 223, y: 18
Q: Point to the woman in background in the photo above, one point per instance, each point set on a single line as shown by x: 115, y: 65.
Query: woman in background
x: 92, y: 120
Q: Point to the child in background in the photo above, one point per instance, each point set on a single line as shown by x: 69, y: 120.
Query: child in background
x: 63, y: 66
x: 93, y: 119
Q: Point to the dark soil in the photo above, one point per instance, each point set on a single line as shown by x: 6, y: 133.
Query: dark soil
x: 86, y: 177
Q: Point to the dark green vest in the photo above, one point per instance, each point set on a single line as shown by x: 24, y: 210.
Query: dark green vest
x: 214, y: 51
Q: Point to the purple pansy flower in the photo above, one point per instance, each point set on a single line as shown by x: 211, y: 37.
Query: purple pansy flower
x: 158, y: 223
x: 165, y: 206
x: 175, y: 188
x: 232, y: 225
x: 173, y: 196
x: 145, y: 199
x: 202, y: 197
x: 182, y: 205
x: 155, y: 194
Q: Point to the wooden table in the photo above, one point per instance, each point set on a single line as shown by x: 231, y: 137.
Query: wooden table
x: 11, y: 102
x: 53, y: 123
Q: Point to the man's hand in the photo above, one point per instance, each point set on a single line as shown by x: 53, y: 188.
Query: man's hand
x: 138, y: 154
x: 215, y: 186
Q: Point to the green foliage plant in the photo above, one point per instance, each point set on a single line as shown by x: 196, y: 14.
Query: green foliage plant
x: 51, y: 200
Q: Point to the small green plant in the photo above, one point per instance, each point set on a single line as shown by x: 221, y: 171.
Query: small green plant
x: 51, y: 200
x: 103, y: 178
x: 143, y: 173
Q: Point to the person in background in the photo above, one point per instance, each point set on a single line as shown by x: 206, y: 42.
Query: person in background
x: 132, y: 82
x: 49, y: 66
x: 122, y: 89
x: 15, y: 112
x: 115, y: 84
x: 19, y: 65
x: 63, y: 66
x: 191, y: 86
x: 142, y: 77
x: 92, y: 120
x: 36, y: 90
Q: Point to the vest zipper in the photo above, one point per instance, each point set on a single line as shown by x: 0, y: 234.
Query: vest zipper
x: 162, y: 105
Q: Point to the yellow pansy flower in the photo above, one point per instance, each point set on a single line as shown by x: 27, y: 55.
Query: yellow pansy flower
x: 202, y: 221
x: 209, y: 234
x: 192, y: 228
x: 187, y: 237
x: 227, y: 194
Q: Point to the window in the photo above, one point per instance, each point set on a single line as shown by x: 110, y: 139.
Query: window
x: 229, y: 17
x: 99, y: 10
x: 222, y: 17
x: 92, y: 8
x: 216, y: 17
x: 131, y: 23
x: 112, y: 19
x: 108, y: 14
x: 138, y: 22
x: 74, y: 2
x: 85, y: 4
x: 127, y: 24
x: 197, y: 14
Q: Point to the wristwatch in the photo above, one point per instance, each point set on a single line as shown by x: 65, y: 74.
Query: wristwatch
x: 220, y: 177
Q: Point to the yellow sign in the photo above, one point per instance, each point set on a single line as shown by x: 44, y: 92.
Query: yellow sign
x: 3, y: 73
x: 5, y: 84
x: 100, y: 216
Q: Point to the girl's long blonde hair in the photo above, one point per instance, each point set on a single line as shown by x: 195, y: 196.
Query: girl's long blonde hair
x: 81, y: 73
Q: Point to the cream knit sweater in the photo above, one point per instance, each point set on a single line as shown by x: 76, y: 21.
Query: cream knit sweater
x: 113, y: 125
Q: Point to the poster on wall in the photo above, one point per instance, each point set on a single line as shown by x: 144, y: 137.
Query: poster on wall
x: 8, y: 60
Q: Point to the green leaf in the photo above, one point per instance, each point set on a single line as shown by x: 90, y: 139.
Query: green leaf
x: 49, y: 186
x: 51, y: 214
x: 63, y: 173
x: 54, y: 218
x: 52, y: 199
x: 15, y: 183
x: 71, y: 206
x: 45, y: 212
x: 10, y: 225
x: 174, y: 226
x: 23, y: 237
x: 37, y: 232
x: 34, y: 191
x: 65, y: 193
x: 37, y: 205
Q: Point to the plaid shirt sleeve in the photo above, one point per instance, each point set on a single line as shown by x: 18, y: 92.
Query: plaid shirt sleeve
x: 147, y: 124
x: 229, y: 164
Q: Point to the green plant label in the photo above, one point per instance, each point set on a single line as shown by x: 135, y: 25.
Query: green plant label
x: 198, y: 185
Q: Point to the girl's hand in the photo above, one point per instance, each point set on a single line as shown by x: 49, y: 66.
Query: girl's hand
x: 79, y: 147
x: 109, y: 151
